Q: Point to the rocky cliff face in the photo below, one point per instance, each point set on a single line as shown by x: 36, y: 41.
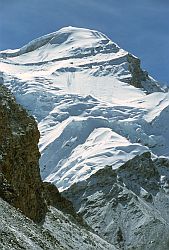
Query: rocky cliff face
x: 140, y: 78
x: 20, y: 182
x: 128, y: 206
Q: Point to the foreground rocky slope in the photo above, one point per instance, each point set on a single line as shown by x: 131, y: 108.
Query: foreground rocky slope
x: 129, y: 207
x: 20, y: 181
x: 59, y: 232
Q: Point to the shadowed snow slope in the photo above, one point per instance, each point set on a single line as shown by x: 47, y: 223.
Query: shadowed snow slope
x: 89, y: 99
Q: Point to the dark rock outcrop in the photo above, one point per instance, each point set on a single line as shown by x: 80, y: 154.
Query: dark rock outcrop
x: 140, y: 78
x: 138, y: 75
x: 20, y: 181
x: 55, y: 199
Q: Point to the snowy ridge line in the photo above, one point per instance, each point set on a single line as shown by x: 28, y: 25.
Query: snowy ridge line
x: 64, y: 35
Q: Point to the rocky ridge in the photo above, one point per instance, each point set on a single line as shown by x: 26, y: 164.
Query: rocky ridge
x: 140, y: 78
x: 128, y: 206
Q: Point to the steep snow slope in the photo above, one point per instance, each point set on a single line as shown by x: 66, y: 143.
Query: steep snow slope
x: 81, y: 88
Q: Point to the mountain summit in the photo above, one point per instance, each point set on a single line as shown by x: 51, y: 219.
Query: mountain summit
x: 82, y: 49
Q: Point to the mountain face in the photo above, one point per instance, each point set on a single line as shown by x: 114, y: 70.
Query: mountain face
x: 78, y: 85
x: 104, y: 138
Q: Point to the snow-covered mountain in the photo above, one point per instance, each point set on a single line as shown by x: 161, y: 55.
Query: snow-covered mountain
x: 96, y: 110
x: 81, y: 88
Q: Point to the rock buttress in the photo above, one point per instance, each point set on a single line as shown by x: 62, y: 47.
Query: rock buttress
x: 20, y: 181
